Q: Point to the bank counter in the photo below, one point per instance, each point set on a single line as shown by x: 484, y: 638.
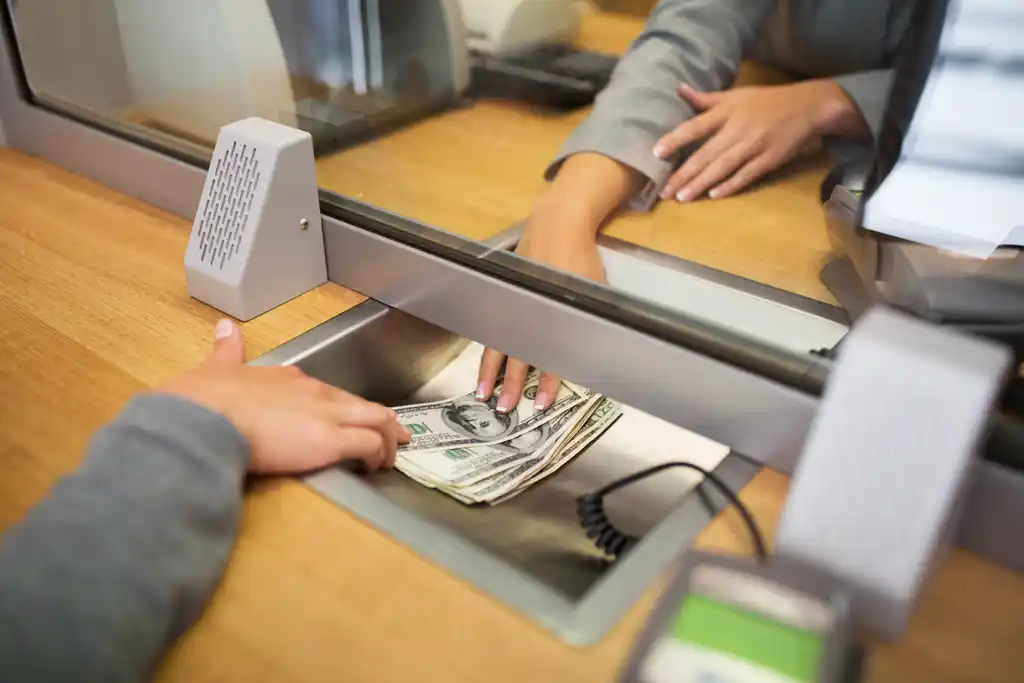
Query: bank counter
x: 93, y: 308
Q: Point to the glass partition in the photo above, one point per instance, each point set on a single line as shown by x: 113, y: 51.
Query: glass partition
x: 453, y: 116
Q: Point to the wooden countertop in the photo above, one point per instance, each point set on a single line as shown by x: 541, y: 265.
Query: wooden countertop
x: 475, y: 171
x: 93, y: 307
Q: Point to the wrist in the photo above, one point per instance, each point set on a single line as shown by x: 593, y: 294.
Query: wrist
x: 587, y: 189
x: 836, y: 114
x: 561, y: 214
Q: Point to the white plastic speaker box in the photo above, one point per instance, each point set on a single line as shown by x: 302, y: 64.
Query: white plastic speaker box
x: 257, y: 240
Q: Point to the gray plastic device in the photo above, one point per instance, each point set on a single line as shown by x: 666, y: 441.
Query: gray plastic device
x: 257, y: 240
x: 880, y: 484
x: 731, y: 620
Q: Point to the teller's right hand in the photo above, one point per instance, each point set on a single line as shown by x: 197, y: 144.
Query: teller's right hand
x: 554, y: 239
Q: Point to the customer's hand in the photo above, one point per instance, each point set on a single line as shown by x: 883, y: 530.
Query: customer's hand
x: 751, y: 131
x: 293, y: 422
x: 560, y: 239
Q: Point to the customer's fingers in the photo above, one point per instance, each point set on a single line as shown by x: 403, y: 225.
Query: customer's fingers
x: 228, y: 344
x: 371, y: 416
x: 368, y: 446
x: 322, y: 443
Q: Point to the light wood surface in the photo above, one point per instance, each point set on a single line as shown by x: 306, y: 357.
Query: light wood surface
x: 93, y: 308
x: 477, y: 170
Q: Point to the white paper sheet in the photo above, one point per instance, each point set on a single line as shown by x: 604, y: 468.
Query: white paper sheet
x: 959, y: 184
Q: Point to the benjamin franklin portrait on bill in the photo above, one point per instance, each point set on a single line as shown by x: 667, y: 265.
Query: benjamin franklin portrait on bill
x: 479, y: 419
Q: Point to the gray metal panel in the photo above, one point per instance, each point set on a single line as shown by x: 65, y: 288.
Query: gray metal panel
x: 992, y: 522
x: 750, y: 308
x: 757, y: 417
x: 738, y: 284
x: 710, y: 298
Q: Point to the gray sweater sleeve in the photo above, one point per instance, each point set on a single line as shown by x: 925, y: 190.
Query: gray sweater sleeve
x: 120, y: 558
x: 698, y: 42
x: 869, y: 90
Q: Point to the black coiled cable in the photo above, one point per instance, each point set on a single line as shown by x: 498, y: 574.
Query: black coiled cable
x: 595, y: 521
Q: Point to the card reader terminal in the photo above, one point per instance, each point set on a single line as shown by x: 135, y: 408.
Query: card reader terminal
x: 731, y: 620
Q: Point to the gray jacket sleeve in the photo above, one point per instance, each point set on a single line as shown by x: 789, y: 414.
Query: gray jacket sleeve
x: 869, y: 90
x: 698, y: 42
x: 121, y: 557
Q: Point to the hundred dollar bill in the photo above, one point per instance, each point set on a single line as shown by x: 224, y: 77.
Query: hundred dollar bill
x: 464, y: 421
x: 580, y: 443
x: 516, y: 477
x: 600, y: 421
x: 459, y: 467
x: 595, y: 424
x: 496, y: 485
x: 562, y: 430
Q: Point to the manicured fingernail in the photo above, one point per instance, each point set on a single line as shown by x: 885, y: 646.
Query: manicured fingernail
x: 666, y: 193
x: 405, y: 433
x: 684, y: 195
x: 660, y: 151
x: 713, y: 194
x: 223, y: 330
x: 481, y: 391
x: 505, y: 403
x: 541, y: 402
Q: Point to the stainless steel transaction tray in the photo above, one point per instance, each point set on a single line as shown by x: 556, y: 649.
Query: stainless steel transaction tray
x: 529, y: 552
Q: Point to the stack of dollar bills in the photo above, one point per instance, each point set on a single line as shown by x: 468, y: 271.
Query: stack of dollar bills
x: 466, y: 449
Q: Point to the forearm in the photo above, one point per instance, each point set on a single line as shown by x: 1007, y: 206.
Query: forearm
x: 120, y: 559
x: 588, y: 189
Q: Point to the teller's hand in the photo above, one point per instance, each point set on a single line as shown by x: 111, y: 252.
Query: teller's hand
x: 750, y: 131
x: 545, y: 240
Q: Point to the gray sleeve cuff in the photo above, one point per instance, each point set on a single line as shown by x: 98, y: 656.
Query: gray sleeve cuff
x: 636, y: 153
x: 869, y: 90
x: 630, y: 145
x: 194, y: 432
